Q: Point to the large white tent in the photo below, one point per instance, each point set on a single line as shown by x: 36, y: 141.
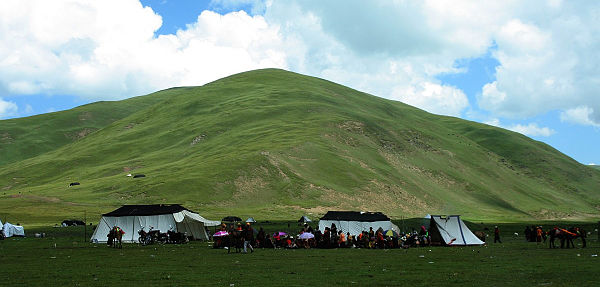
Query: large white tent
x: 450, y: 231
x: 163, y: 217
x: 9, y: 230
x: 356, y: 222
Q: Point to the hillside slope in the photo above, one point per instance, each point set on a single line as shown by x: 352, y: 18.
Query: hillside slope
x: 275, y: 144
x: 28, y: 137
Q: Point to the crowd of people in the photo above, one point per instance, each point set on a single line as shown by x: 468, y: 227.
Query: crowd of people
x: 244, y: 236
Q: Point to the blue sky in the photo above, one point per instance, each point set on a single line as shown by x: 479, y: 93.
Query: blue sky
x: 528, y: 67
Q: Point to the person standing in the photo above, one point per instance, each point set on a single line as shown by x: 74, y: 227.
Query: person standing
x: 248, y: 234
x: 260, y: 238
x: 326, y: 238
x: 342, y: 239
x: 581, y: 233
x: 334, y: 235
x: 538, y: 234
x: 553, y: 234
x: 497, y: 235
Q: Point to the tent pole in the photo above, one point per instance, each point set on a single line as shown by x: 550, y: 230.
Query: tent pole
x: 133, y: 229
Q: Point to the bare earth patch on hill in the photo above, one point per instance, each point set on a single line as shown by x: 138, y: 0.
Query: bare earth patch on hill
x: 5, y: 138
x: 248, y: 186
x: 79, y: 134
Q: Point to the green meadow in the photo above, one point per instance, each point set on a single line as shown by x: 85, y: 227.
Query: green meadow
x: 64, y: 258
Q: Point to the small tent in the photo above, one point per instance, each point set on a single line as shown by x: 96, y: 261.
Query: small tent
x: 304, y: 219
x: 250, y: 220
x: 356, y: 222
x: 451, y: 231
x: 163, y: 217
x: 9, y: 230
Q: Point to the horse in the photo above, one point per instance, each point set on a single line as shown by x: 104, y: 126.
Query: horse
x: 553, y: 234
x: 481, y: 235
x: 234, y: 239
x: 568, y: 236
x: 115, y: 236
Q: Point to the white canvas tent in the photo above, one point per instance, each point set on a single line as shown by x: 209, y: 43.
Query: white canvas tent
x: 9, y: 230
x: 356, y: 222
x: 304, y: 219
x: 451, y: 231
x: 163, y: 217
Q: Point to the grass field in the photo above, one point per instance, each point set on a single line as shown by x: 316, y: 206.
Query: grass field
x: 62, y: 258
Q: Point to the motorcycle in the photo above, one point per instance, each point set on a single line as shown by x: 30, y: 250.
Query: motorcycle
x: 177, y: 237
x: 151, y: 236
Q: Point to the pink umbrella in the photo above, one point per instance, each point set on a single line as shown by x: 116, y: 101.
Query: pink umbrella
x: 306, y: 235
x: 279, y: 234
x: 221, y: 233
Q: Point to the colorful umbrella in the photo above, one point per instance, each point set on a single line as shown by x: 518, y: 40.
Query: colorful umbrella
x: 306, y: 235
x: 221, y: 233
x: 280, y: 233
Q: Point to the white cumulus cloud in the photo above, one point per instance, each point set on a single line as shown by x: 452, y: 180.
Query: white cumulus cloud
x: 7, y: 108
x: 548, y: 61
x: 439, y: 99
x: 582, y: 115
x: 546, y: 50
x: 107, y: 49
x: 531, y: 129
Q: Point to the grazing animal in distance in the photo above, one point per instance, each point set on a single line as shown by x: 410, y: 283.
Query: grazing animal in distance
x: 74, y: 184
x: 481, y: 235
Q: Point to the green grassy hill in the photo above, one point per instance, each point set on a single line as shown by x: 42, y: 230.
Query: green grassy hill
x: 29, y: 137
x: 275, y: 144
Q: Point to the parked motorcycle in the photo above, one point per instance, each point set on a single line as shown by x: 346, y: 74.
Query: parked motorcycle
x: 151, y: 236
x: 177, y: 237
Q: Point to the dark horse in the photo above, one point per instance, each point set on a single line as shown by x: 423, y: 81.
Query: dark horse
x: 481, y: 235
x: 115, y: 236
x: 569, y: 235
x: 234, y: 240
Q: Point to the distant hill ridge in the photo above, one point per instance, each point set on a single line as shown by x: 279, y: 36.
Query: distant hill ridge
x: 273, y: 144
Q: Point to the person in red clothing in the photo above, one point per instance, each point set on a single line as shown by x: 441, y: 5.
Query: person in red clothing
x: 497, y: 235
x: 342, y: 239
x: 380, y: 239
